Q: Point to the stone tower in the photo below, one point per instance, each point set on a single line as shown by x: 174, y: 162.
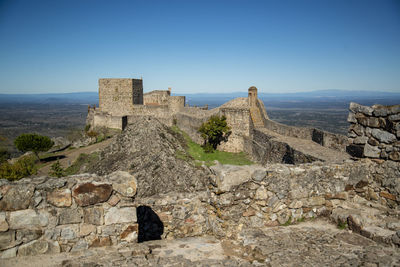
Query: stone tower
x: 117, y: 96
x: 253, y: 96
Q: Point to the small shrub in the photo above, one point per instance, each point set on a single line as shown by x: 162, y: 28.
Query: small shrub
x: 214, y: 131
x: 4, y: 155
x: 342, y: 225
x: 87, y: 128
x: 25, y: 166
x: 56, y: 170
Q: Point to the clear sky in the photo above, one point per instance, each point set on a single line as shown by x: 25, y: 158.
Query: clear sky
x: 200, y: 46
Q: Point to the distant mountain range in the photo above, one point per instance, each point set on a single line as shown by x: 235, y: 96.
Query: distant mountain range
x: 325, y: 98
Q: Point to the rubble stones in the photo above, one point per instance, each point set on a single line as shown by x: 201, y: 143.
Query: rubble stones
x: 3, y: 222
x: 94, y: 215
x: 38, y: 247
x: 89, y: 193
x: 371, y: 151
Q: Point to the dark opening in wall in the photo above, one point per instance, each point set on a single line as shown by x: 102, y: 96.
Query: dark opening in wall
x: 150, y: 225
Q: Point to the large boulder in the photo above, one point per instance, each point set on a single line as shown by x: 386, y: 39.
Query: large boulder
x: 148, y: 149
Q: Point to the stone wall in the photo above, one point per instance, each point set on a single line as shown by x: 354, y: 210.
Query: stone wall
x: 330, y: 140
x: 51, y: 215
x: 374, y: 131
x: 117, y: 96
x: 102, y: 119
x: 363, y: 196
x: 157, y: 97
x: 176, y: 103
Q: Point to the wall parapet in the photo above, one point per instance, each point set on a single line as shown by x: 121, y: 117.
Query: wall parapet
x: 374, y: 131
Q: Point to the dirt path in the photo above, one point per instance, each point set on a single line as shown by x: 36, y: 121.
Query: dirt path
x: 72, y: 155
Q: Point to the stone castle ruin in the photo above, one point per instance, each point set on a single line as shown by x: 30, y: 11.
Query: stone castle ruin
x: 122, y: 100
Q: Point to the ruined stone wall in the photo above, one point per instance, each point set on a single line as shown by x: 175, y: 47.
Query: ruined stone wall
x: 330, y: 140
x: 157, y: 97
x: 374, y: 131
x: 241, y: 127
x: 117, y: 96
x: 363, y: 196
x: 101, y: 119
x: 238, y: 119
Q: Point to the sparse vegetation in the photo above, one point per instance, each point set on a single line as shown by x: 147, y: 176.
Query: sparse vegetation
x: 56, y: 170
x: 342, y: 225
x: 4, y: 155
x: 196, y: 152
x: 33, y: 142
x: 214, y: 131
x: 25, y: 166
x: 81, y: 161
x: 288, y: 222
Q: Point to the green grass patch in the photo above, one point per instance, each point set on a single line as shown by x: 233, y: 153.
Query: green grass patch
x: 83, y: 159
x: 288, y: 222
x: 196, y: 152
x: 342, y: 225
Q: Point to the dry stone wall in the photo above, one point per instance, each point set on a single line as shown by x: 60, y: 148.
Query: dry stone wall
x: 374, y: 131
x: 50, y: 215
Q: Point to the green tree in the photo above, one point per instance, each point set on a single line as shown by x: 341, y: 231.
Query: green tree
x: 33, y: 142
x: 214, y: 131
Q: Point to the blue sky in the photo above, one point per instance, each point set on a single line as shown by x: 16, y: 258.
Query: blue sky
x: 200, y: 46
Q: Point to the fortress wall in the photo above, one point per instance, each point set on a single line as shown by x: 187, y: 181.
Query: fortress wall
x: 158, y: 97
x: 239, y: 121
x: 107, y: 120
x: 160, y: 112
x: 176, y: 103
x: 265, y: 150
x: 374, y: 131
x: 330, y: 140
x: 116, y: 96
x: 190, y: 124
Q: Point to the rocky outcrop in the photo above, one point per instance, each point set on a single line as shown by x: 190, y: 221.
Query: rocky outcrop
x: 149, y: 149
x: 374, y: 131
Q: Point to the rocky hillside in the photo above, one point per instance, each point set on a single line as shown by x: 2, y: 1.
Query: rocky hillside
x: 155, y: 155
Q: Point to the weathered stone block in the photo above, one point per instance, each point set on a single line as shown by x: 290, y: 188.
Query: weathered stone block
x: 91, y: 193
x: 87, y: 229
x: 28, y: 235
x: 101, y: 242
x: 395, y: 117
x: 371, y: 151
x: 380, y: 111
x: 373, y: 142
x: 369, y: 121
x: 68, y: 216
x: 261, y: 193
x: 351, y: 118
x: 28, y: 219
x: 69, y: 233
x: 9, y: 253
x: 80, y: 245
x: 394, y: 155
x: 360, y: 140
x: 3, y: 222
x: 39, y: 247
x: 357, y: 128
x: 60, y: 198
x: 383, y: 136
x: 113, y: 200
x: 124, y: 183
x: 130, y: 234
x: 122, y: 215
x: 94, y: 215
x: 7, y: 240
x: 16, y: 197
x: 387, y: 195
x: 356, y: 108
